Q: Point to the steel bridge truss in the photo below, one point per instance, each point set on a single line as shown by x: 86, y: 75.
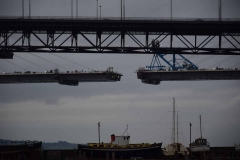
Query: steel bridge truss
x: 69, y: 42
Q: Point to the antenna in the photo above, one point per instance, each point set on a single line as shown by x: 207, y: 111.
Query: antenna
x: 29, y: 8
x: 71, y: 8
x: 126, y: 130
x: 23, y: 8
x: 97, y: 9
x: 171, y: 9
x: 76, y: 8
x: 121, y: 9
x: 220, y: 9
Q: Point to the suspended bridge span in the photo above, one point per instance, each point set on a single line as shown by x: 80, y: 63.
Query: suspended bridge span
x: 155, y: 77
x: 71, y: 79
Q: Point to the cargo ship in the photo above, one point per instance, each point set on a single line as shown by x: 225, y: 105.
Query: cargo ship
x: 120, y: 148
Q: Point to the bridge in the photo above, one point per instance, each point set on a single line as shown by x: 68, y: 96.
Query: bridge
x: 155, y: 77
x: 68, y: 78
x: 108, y: 35
x: 92, y: 35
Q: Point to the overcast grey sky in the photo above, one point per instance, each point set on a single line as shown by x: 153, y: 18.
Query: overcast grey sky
x: 52, y: 112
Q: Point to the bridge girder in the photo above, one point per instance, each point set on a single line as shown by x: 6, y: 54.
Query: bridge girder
x: 77, y: 36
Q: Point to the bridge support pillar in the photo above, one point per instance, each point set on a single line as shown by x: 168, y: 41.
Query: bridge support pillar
x: 146, y: 41
x: 74, y: 39
x: 50, y: 37
x: 99, y: 39
x: 220, y: 41
x: 27, y: 36
x: 122, y: 39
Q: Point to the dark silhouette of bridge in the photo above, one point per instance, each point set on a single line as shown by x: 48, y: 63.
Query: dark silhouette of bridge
x: 73, y: 31
x: 102, y: 35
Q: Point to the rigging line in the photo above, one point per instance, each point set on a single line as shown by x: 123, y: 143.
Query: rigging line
x: 50, y: 61
x: 14, y: 64
x: 235, y: 65
x: 222, y: 61
x: 29, y: 61
x: 72, y: 61
x: 192, y: 56
x: 2, y: 68
x: 212, y: 55
x: 205, y: 59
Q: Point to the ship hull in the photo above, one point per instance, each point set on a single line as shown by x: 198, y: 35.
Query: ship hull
x: 201, y: 148
x: 153, y: 151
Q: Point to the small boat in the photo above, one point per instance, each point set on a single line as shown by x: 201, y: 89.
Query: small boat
x: 200, y: 144
x: 120, y: 148
x: 175, y: 148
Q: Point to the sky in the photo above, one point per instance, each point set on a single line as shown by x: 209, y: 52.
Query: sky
x: 52, y: 112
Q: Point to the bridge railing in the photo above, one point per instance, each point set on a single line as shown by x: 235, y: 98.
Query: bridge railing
x: 119, y: 18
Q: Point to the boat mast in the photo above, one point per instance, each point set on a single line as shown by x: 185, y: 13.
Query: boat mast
x: 177, y: 127
x: 173, y: 120
x: 200, y: 127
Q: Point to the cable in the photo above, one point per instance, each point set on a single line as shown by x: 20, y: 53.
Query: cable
x: 72, y: 61
x: 50, y: 61
x: 209, y: 57
x: 29, y: 61
x: 222, y: 61
x: 2, y: 68
x: 14, y: 64
x: 235, y: 65
x: 205, y: 59
x: 55, y: 63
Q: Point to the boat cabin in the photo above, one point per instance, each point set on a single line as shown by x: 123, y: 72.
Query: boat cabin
x: 201, y: 141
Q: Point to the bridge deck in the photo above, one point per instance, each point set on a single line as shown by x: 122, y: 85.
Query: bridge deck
x: 61, y: 78
x: 108, y: 35
x: 88, y: 25
x: 154, y: 77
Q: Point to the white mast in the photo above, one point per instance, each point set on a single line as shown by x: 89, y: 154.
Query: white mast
x: 200, y: 127
x: 173, y: 120
x: 177, y: 127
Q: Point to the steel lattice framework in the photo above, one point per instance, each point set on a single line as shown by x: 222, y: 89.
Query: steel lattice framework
x: 16, y: 34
